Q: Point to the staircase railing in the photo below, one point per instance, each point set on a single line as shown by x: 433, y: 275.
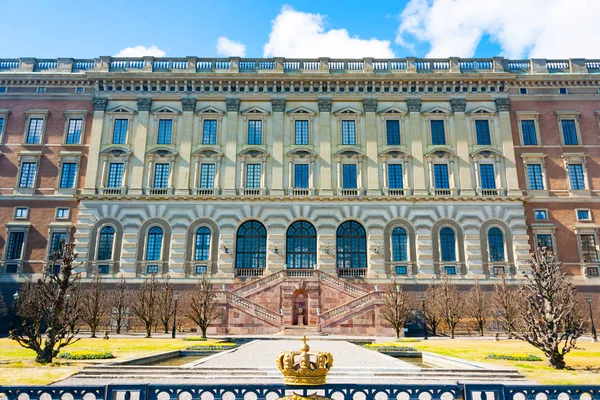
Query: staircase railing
x: 323, y: 276
x: 327, y: 316
x: 255, y: 308
x: 259, y: 282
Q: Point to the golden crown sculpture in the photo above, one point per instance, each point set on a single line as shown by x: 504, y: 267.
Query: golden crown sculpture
x: 304, y: 367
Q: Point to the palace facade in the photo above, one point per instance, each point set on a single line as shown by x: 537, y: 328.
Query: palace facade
x: 300, y: 186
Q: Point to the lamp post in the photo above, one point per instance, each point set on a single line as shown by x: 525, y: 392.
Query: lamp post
x: 589, y: 301
x: 424, y: 318
x: 175, y: 298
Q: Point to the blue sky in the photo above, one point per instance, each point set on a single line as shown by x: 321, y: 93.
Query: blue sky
x: 257, y: 28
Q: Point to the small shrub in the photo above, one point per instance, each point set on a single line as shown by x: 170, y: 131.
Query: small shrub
x: 212, y: 346
x: 388, y: 347
x: 86, y: 355
x: 409, y: 340
x: 513, y: 357
x: 194, y: 339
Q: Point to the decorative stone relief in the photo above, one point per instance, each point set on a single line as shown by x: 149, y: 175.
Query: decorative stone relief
x: 370, y: 105
x: 232, y: 105
x: 100, y: 103
x: 144, y: 103
x: 325, y: 105
x: 414, y: 105
x: 278, y: 105
x: 503, y: 104
x: 458, y: 105
x: 188, y: 104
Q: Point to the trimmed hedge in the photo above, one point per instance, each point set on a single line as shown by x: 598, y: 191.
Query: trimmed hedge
x: 513, y: 357
x: 86, y: 355
x: 212, y: 346
x: 194, y: 339
x: 409, y: 340
x: 388, y: 347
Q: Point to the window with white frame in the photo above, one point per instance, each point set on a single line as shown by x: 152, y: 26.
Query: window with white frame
x: 253, y: 168
x: 528, y: 123
x: 301, y: 176
x: 487, y: 176
x: 21, y: 213
x: 583, y: 214
x: 62, y: 213
x: 301, y: 134
x: 392, y: 132
x: 540, y: 214
x: 165, y: 131
x: 207, y: 176
x: 206, y: 172
x: 589, y: 248
x: 496, y: 245
x: 482, y: 132
x: 3, y: 118
x: 568, y: 123
x: 255, y: 134
x: 545, y: 240
x: 114, y: 177
x: 441, y: 177
x: 35, y: 130
x: 576, y: 168
x: 74, y: 126
x: 438, y: 132
x: 253, y: 176
x: 27, y: 177
x: 160, y: 172
x: 576, y: 177
x: 349, y: 176
x: 209, y: 131
x: 395, y: 176
x: 348, y: 132
x: 535, y: 177
x: 68, y: 175
x: 535, y: 171
x: 161, y: 176
x: 120, y: 129
x: 28, y: 174
x: 301, y: 166
x: 15, y: 248
x: 56, y: 239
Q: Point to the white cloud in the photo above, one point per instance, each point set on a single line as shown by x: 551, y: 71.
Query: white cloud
x: 140, y: 51
x: 299, y: 34
x: 523, y: 28
x: 230, y: 48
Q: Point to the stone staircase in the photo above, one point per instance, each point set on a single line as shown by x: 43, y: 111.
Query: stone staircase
x: 350, y: 309
x: 249, y: 307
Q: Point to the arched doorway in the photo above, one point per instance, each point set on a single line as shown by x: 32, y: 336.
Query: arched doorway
x: 300, y: 307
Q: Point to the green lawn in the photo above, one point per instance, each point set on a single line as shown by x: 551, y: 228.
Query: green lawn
x: 583, y: 364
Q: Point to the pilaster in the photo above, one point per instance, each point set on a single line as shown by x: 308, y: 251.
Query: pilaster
x: 325, y: 155
x: 230, y: 139
x: 373, y: 186
x: 138, y: 146
x: 188, y: 105
x: 510, y: 165
x: 91, y: 176
x: 416, y: 143
x: 277, y: 156
x: 462, y: 147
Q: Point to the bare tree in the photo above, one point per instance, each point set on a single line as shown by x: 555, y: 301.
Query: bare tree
x: 450, y: 304
x: 3, y: 308
x: 94, y: 304
x: 551, y: 315
x: 506, y: 307
x: 202, y: 307
x: 46, y: 309
x: 166, y: 304
x: 119, y: 309
x: 432, y: 314
x: 478, y: 306
x: 397, y: 307
x: 144, y: 303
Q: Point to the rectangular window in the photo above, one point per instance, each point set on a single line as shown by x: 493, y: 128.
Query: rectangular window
x: 21, y: 212
x: 165, y: 131
x: 569, y: 132
x: 392, y: 129
x: 450, y: 269
x: 103, y: 269
x: 545, y: 240
x: 115, y: 175
x: 255, y: 132
x: 440, y: 176
x: 487, y: 176
x: 1, y: 126
x: 34, y: 133
x: 395, y: 177
x: 67, y: 176
x: 438, y: 136
x: 541, y: 214
x: 482, y: 128
x: 55, y: 241
x: 583, y: 215
x: 301, y: 132
x: 74, y: 131
x: 301, y: 176
x: 200, y: 269
x: 209, y: 131
x: 62, y: 213
x: 152, y: 269
x: 15, y: 245
x: 28, y: 170
x: 349, y: 176
x: 588, y: 248
x: 348, y: 132
x: 207, y: 176
x: 161, y: 176
x: 576, y: 177
x: 529, y: 135
x: 401, y: 270
x: 534, y: 173
x: 253, y: 174
x: 120, y: 131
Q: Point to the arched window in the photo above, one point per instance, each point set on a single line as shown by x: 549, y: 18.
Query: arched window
x: 154, y: 244
x: 251, y: 245
x: 301, y: 245
x: 399, y: 244
x: 202, y: 244
x: 351, y: 244
x: 105, y: 243
x: 496, y: 245
x: 448, y: 244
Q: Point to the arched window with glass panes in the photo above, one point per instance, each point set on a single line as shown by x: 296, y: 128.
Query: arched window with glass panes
x: 400, y: 250
x: 202, y: 250
x: 106, y: 241
x: 251, y: 246
x: 301, y: 245
x: 351, y: 245
x: 496, y: 245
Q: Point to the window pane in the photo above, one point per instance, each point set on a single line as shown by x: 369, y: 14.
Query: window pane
x: 1, y: 126
x: 34, y: 133
x: 349, y: 176
x: 28, y: 170
x: 529, y: 136
x: 447, y: 245
x: 251, y: 245
x: 583, y: 214
x: 486, y: 174
x: 569, y: 131
x: 576, y: 177
x: 253, y: 175
x: 161, y: 176
x: 541, y: 214
x: 302, y: 132
x: 202, y: 244
x: 301, y: 176
x: 67, y: 177
x: 115, y: 175
x: 301, y: 245
x: 15, y: 245
x: 351, y: 245
x: 437, y: 132
x: 399, y: 245
x: 209, y: 132
x: 154, y: 245
x: 395, y: 176
x: 534, y: 172
x: 588, y: 248
x: 74, y: 131
x: 545, y: 240
x: 392, y: 128
x: 348, y: 132
x: 56, y: 239
x: 120, y: 131
x: 482, y: 127
x: 255, y: 132
x: 105, y: 243
x: 440, y: 176
x: 207, y: 176
x: 496, y: 245
x: 165, y: 131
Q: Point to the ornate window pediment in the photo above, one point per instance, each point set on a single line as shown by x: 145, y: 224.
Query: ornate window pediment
x: 254, y: 152
x: 481, y: 112
x: 162, y: 152
x: 437, y: 111
x: 210, y: 110
x: 441, y: 153
x: 394, y: 153
x: 116, y: 151
x: 166, y: 110
x: 255, y: 111
x: 301, y: 153
x: 348, y: 111
x: 121, y: 110
x: 486, y: 152
x: 349, y: 153
x: 393, y: 111
x: 302, y: 111
x: 208, y: 152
